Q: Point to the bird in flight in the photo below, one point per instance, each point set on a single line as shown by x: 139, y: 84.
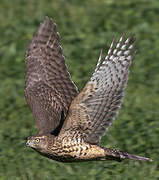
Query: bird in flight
x: 70, y: 124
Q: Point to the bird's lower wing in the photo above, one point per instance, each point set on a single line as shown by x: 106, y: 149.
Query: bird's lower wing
x: 94, y: 109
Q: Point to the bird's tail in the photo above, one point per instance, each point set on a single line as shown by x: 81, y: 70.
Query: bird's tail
x: 117, y: 155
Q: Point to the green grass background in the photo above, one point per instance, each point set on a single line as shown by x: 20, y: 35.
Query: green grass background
x: 85, y: 26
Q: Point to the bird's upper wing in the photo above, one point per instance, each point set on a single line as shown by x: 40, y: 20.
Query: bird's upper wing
x: 94, y: 109
x: 48, y: 87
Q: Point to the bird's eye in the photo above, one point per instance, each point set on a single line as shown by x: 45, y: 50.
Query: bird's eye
x: 37, y: 140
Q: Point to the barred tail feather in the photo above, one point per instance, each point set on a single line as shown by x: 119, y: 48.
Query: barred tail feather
x: 117, y: 155
x: 124, y: 155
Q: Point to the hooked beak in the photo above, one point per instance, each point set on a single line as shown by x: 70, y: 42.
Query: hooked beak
x: 29, y: 143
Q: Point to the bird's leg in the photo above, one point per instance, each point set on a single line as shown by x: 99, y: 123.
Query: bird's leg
x: 114, y: 154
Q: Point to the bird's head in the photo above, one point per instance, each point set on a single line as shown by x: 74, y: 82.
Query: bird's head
x: 38, y: 143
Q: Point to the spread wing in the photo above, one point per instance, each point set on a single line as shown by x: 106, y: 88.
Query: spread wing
x: 94, y: 109
x: 49, y: 90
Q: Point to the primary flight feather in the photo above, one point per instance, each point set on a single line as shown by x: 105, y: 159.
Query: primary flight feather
x: 71, y: 124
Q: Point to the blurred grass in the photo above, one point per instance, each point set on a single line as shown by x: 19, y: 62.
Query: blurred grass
x: 85, y: 28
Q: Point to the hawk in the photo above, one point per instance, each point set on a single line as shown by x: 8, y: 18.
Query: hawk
x: 70, y: 124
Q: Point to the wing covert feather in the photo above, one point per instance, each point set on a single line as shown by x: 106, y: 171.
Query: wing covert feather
x: 102, y: 96
x: 49, y: 89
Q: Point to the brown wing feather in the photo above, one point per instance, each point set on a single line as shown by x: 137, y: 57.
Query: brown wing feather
x: 94, y: 109
x: 48, y: 87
